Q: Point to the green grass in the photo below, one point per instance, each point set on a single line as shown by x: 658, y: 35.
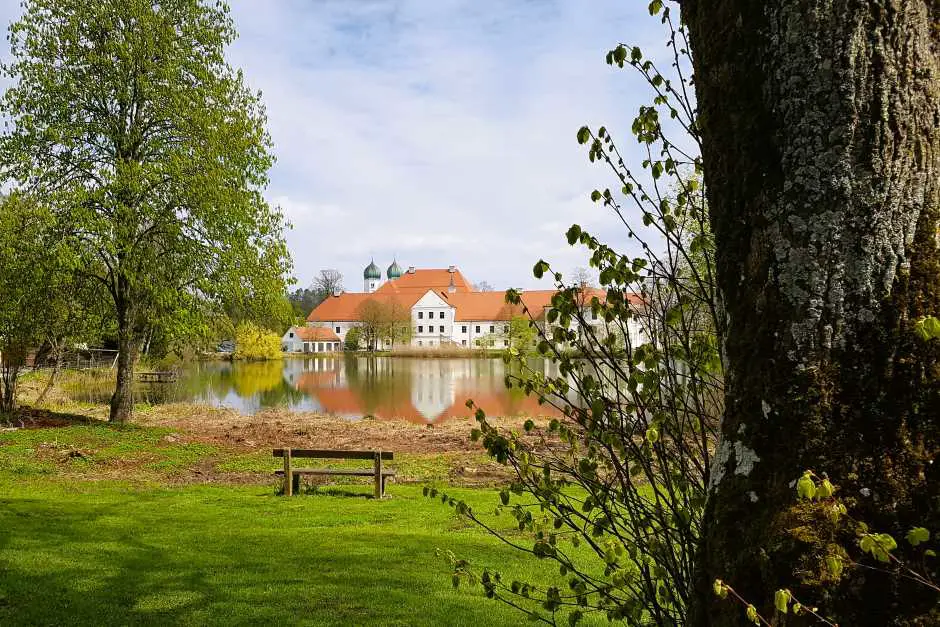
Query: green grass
x: 86, y: 449
x: 82, y: 546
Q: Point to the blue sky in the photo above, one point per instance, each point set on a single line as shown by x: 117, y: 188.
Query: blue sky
x: 438, y: 131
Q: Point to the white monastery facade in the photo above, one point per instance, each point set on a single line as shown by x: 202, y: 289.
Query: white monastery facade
x: 444, y: 312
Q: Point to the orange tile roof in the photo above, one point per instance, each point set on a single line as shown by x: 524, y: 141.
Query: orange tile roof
x: 345, y: 307
x: 316, y: 334
x: 424, y: 280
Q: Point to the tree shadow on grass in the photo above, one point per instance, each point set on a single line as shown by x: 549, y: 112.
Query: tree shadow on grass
x: 28, y: 417
x: 153, y: 558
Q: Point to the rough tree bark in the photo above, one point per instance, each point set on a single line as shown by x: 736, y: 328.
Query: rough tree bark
x: 822, y: 159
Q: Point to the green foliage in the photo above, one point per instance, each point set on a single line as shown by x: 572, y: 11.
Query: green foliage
x: 40, y: 296
x: 353, y: 339
x: 155, y: 176
x: 255, y: 343
x: 636, y: 374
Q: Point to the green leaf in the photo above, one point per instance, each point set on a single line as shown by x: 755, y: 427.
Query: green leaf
x: 539, y: 269
x: 824, y: 490
x: 719, y: 588
x: 584, y: 135
x: 751, y: 613
x: 595, y: 195
x: 806, y: 487
x: 782, y: 600
x: 917, y: 535
x: 620, y: 54
x: 834, y: 565
x: 573, y: 234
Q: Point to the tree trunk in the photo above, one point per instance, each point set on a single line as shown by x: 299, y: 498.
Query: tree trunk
x: 821, y: 147
x: 10, y: 374
x: 122, y: 401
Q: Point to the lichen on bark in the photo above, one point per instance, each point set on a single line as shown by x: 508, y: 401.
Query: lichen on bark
x: 820, y: 129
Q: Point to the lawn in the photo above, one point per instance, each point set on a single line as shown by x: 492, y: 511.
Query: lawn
x: 80, y: 545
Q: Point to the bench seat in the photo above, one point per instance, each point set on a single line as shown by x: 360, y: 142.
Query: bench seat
x: 333, y: 471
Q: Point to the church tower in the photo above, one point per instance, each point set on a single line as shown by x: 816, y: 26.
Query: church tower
x: 372, y: 277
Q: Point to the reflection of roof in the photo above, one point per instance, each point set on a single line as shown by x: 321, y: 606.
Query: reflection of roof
x: 424, y: 280
x: 344, y: 401
x: 316, y: 334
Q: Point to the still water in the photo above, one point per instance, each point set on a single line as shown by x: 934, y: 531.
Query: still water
x: 419, y: 390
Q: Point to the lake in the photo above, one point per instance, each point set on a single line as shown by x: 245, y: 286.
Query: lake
x: 423, y: 390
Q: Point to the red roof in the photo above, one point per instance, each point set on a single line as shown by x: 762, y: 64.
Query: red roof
x: 316, y: 334
x: 345, y: 307
x: 423, y: 280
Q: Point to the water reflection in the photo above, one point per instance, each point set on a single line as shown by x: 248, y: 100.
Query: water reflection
x: 419, y: 390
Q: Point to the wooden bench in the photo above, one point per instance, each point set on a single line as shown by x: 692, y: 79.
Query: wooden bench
x: 292, y: 475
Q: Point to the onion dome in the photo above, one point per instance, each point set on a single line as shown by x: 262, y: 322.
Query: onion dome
x: 372, y: 271
x: 394, y: 271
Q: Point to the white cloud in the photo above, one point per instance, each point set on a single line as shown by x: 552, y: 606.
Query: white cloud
x: 438, y: 132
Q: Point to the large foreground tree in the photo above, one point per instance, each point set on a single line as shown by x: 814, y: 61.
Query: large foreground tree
x: 127, y: 121
x: 820, y: 126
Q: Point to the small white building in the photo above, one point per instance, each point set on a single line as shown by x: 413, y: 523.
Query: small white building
x: 311, y: 339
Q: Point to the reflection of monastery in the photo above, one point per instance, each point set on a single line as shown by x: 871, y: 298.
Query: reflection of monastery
x: 444, y: 311
x: 418, y: 390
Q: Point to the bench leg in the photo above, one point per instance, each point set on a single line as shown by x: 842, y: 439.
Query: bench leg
x: 288, y: 475
x: 379, y: 480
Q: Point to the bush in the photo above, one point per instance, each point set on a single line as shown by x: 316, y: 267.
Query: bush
x: 255, y: 343
x: 352, y: 339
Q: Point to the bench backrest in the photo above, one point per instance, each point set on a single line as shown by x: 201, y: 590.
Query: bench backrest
x: 322, y: 454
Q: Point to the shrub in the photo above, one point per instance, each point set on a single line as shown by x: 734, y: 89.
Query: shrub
x: 255, y: 343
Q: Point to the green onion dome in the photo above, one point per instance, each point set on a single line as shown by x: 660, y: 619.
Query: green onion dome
x: 394, y: 271
x: 372, y: 271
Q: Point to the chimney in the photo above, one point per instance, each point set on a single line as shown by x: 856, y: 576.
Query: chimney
x: 411, y: 269
x: 337, y: 291
x: 452, y: 269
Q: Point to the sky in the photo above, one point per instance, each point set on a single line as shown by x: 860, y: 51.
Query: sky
x: 438, y: 132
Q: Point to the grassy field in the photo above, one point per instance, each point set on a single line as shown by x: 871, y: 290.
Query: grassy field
x: 105, y: 526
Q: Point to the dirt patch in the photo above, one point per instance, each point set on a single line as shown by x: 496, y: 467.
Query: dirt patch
x: 279, y: 428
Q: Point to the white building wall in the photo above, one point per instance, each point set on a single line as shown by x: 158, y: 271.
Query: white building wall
x: 432, y: 322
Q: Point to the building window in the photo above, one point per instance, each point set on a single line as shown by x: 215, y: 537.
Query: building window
x: 492, y: 329
x: 388, y: 342
x: 505, y: 343
x: 463, y: 342
x: 463, y: 329
x: 420, y: 315
x: 506, y: 329
x: 291, y: 335
x: 421, y: 329
x: 419, y: 342
x: 442, y: 328
x: 320, y: 347
x: 441, y: 316
x: 593, y: 315
x: 478, y: 328
x: 337, y: 330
